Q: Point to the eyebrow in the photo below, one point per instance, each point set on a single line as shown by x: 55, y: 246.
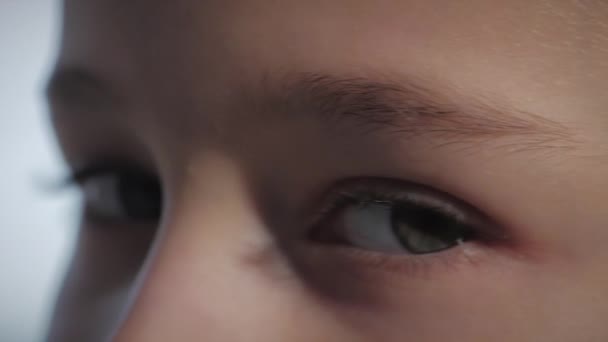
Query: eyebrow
x: 409, y: 109
x: 78, y: 87
x: 402, y: 107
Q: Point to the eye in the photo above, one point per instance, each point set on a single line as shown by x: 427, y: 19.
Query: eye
x: 391, y: 217
x: 119, y: 194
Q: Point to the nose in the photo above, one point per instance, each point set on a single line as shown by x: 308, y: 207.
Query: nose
x: 215, y: 274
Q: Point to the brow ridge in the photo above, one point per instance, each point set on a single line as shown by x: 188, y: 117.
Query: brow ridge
x: 411, y: 110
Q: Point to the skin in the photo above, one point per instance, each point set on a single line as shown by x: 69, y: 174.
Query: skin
x: 181, y: 98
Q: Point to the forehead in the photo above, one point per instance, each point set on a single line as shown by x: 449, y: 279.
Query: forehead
x: 190, y: 47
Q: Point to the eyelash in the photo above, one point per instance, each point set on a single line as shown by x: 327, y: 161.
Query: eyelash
x: 393, y: 192
x: 390, y: 191
x: 362, y: 191
x: 80, y: 177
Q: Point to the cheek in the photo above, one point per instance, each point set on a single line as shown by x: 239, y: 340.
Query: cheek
x: 498, y: 300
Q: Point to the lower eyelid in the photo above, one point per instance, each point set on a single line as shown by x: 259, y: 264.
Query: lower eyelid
x: 466, y: 254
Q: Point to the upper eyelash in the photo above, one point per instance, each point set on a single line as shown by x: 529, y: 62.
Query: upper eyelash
x: 372, y: 195
x: 80, y: 176
x: 392, y: 191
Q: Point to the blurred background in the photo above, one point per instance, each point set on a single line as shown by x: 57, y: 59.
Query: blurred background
x: 36, y: 219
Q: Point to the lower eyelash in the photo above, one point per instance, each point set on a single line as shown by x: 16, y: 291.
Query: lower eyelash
x: 466, y: 254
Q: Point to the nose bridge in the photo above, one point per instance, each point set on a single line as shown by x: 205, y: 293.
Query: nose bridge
x: 186, y: 290
x: 204, y: 273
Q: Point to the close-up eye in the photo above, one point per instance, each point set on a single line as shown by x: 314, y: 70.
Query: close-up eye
x: 120, y: 195
x: 388, y: 217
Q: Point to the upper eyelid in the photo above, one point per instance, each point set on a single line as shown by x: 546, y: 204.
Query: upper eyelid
x: 373, y: 187
x: 393, y: 197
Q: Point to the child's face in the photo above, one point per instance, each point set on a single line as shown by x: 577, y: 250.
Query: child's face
x: 336, y: 170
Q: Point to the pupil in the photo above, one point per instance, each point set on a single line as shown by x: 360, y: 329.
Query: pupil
x: 141, y: 197
x: 426, y: 230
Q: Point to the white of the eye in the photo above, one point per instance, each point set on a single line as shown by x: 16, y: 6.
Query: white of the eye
x: 369, y: 226
x: 102, y: 196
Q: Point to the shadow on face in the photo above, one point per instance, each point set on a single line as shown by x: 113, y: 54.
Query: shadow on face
x: 344, y: 170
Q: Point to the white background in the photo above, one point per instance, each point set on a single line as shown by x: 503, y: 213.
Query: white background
x: 36, y: 221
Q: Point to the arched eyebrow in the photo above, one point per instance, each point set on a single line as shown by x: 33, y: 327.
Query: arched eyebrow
x: 409, y: 110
